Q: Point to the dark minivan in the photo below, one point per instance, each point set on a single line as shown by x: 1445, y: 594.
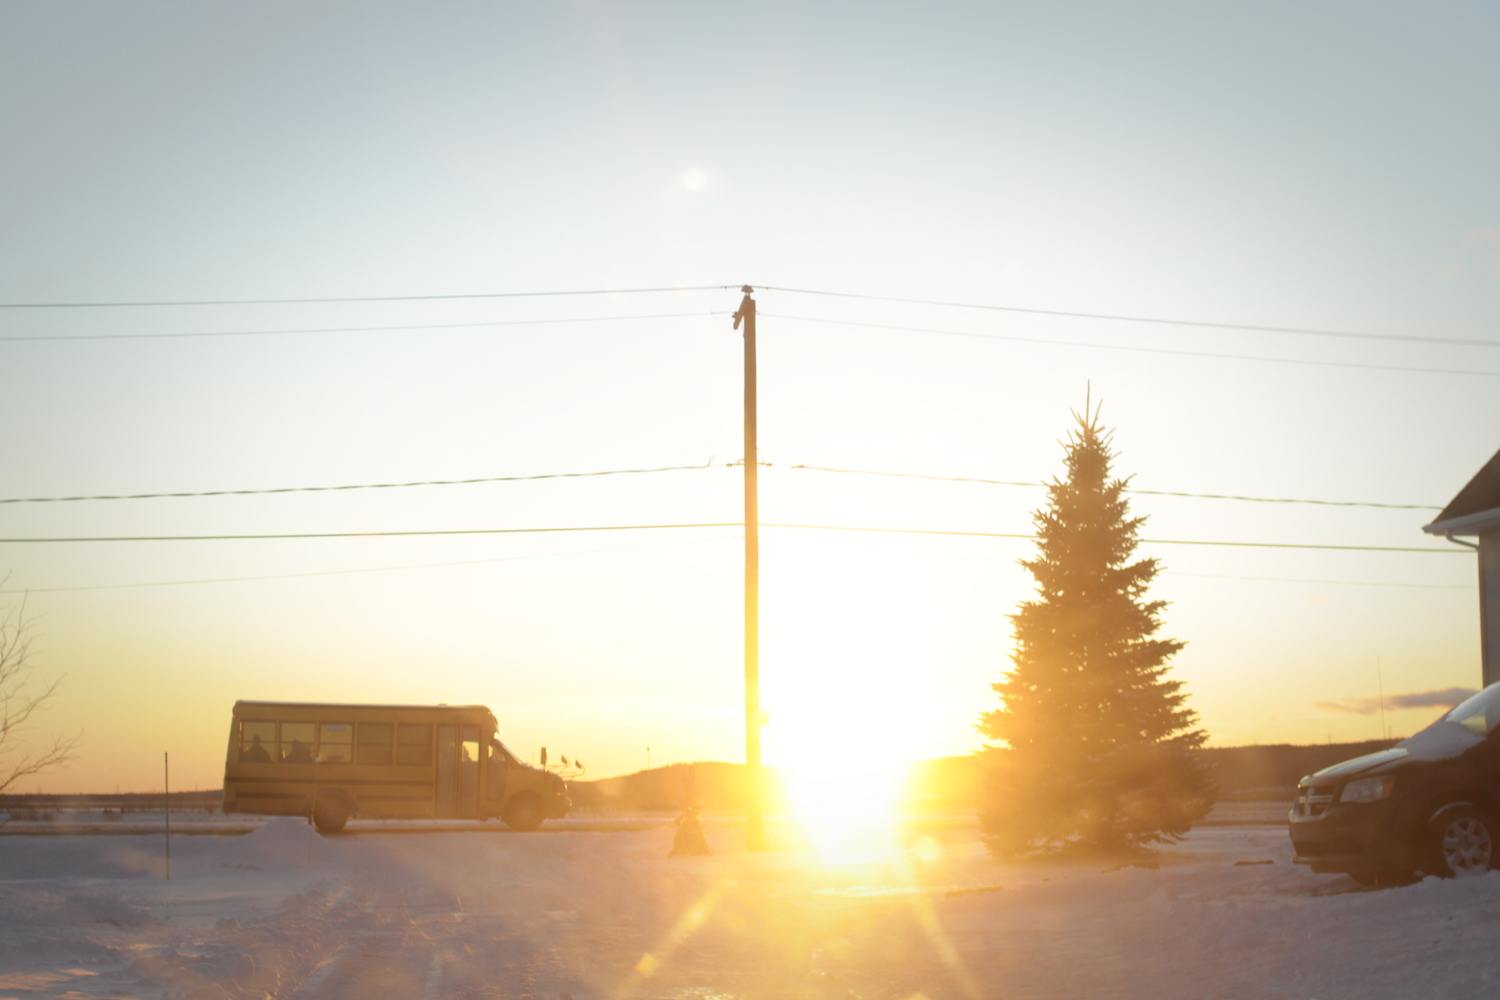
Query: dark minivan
x: 1430, y: 804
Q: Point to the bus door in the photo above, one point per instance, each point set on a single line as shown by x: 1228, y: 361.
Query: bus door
x: 494, y: 781
x: 457, y: 772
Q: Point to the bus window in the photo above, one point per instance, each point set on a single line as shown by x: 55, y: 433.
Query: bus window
x: 335, y: 743
x: 256, y: 741
x: 374, y: 743
x: 414, y: 744
x: 297, y: 742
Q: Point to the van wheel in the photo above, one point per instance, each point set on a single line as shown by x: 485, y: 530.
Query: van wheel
x: 330, y: 814
x: 524, y: 813
x: 1462, y: 841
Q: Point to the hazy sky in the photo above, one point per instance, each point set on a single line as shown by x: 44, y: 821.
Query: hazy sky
x: 1326, y: 166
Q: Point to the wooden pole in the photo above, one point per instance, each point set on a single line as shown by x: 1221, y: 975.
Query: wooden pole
x: 755, y: 835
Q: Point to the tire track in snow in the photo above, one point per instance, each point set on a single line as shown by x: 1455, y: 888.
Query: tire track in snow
x: 399, y: 959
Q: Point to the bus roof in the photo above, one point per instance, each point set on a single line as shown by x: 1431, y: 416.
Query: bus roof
x: 324, y: 704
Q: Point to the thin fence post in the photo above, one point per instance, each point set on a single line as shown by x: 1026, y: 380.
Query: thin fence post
x: 166, y: 787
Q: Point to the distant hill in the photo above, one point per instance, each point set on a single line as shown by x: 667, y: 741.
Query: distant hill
x: 720, y: 785
x: 946, y: 784
x: 1253, y: 773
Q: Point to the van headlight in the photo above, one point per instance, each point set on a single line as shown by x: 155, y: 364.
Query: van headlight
x: 1367, y: 790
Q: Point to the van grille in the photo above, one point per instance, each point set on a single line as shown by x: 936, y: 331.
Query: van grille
x: 1314, y: 800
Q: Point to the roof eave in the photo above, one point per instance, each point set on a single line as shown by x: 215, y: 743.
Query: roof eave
x: 1478, y: 523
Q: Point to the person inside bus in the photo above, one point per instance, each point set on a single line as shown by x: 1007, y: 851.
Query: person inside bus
x: 255, y: 753
x: 300, y: 753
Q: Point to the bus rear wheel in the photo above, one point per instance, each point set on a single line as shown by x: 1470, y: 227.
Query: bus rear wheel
x: 524, y: 813
x: 330, y: 813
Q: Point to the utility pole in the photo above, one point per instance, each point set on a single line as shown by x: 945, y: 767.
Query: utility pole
x: 755, y: 833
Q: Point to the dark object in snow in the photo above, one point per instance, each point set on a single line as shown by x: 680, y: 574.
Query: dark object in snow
x: 1244, y: 864
x: 689, y: 839
x: 1101, y: 750
x: 1425, y: 805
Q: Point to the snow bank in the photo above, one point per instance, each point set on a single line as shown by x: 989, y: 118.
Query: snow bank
x: 428, y: 915
x: 282, y: 841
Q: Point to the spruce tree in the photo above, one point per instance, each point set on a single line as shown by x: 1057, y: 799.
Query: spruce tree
x: 1098, y: 746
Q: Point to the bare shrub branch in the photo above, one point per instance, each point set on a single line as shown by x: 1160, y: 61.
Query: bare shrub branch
x: 20, y: 699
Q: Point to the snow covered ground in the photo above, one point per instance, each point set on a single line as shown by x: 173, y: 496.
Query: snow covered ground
x: 282, y: 913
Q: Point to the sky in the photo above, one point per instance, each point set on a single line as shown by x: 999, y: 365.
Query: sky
x: 1325, y: 168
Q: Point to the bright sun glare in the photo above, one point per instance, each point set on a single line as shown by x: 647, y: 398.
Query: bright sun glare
x: 846, y: 662
x: 847, y: 811
x: 695, y: 179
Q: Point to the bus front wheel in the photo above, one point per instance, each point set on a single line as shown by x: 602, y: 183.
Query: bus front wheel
x: 524, y: 813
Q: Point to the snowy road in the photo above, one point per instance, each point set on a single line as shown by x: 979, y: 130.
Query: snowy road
x: 278, y: 913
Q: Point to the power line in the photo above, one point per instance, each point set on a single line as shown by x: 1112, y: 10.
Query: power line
x: 720, y: 524
x: 1112, y: 317
x: 1144, y: 541
x: 1209, y: 576
x: 682, y: 468
x: 1120, y: 318
x: 1342, y: 583
x: 1125, y: 347
x: 369, y: 534
x: 354, y: 329
x: 631, y: 548
x: 1159, y: 493
x: 365, y: 486
x: 370, y: 569
x: 361, y: 298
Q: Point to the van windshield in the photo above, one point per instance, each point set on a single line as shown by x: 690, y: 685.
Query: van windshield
x: 506, y: 747
x: 1479, y: 714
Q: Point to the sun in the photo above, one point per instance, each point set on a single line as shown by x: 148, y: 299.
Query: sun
x: 843, y: 662
x: 695, y: 179
x: 843, y: 770
x: 847, y: 811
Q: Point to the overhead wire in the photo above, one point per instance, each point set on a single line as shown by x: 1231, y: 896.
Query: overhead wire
x: 682, y: 468
x: 1159, y: 493
x: 353, y: 329
x: 718, y: 524
x: 362, y: 298
x: 1122, y: 318
x: 630, y: 548
x: 1211, y: 576
x: 1126, y: 347
x: 989, y: 307
x: 1342, y: 583
x: 1143, y: 541
x: 368, y: 534
x: 1101, y: 316
x: 368, y: 569
x: 360, y: 486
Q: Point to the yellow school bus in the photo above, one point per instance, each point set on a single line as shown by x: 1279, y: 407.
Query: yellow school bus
x: 331, y: 762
